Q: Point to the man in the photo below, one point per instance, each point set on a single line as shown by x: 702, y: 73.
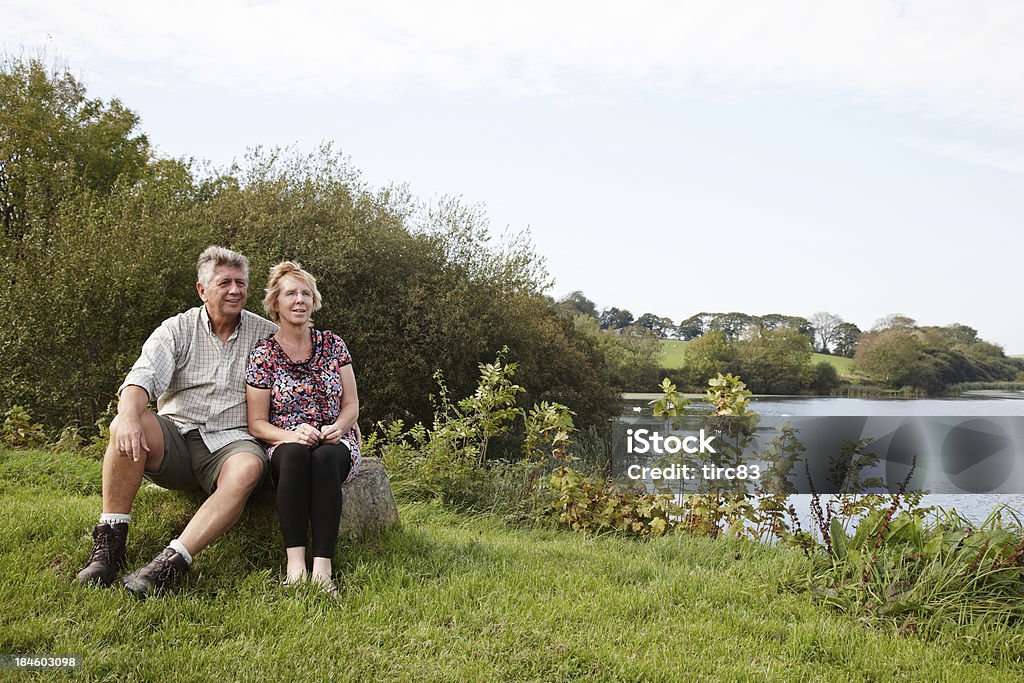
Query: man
x: 193, y: 366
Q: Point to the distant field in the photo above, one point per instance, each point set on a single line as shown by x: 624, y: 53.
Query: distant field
x: 673, y: 351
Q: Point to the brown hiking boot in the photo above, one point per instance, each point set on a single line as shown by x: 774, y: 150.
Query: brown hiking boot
x: 108, y: 541
x: 157, y: 576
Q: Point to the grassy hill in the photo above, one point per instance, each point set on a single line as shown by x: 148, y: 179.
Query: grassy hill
x: 448, y: 597
x: 673, y: 351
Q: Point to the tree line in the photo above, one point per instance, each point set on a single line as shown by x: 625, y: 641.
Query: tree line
x: 100, y: 236
x: 773, y: 352
x: 827, y: 332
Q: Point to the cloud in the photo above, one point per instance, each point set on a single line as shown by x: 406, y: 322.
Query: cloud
x: 950, y: 59
x: 981, y: 155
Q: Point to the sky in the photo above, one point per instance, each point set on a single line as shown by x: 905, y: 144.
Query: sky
x: 668, y: 157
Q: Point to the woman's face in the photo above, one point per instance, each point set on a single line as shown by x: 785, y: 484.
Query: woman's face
x: 294, y: 302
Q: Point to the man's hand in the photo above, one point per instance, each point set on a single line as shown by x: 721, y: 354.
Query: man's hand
x: 131, y: 439
x: 305, y: 434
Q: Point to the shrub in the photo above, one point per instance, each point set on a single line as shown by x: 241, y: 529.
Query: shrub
x: 20, y: 431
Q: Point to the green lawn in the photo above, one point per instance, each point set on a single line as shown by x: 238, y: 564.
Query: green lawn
x: 673, y: 351
x: 449, y: 597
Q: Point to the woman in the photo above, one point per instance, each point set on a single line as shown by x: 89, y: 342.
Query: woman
x: 301, y: 395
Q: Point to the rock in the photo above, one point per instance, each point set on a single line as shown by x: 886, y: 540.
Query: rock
x: 367, y: 504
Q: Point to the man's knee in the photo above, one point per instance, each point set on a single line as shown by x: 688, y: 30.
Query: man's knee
x: 242, y: 471
x: 151, y: 431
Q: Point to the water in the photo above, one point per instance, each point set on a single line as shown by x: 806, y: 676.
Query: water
x: 975, y: 507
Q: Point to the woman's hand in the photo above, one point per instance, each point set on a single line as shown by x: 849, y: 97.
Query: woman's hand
x: 331, y: 433
x: 304, y: 434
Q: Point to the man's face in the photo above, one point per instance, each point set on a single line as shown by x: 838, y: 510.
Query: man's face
x: 225, y: 296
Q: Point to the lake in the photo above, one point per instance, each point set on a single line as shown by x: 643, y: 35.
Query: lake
x: 975, y: 507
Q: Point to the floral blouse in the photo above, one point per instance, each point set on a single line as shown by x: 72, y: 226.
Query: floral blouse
x: 308, y: 391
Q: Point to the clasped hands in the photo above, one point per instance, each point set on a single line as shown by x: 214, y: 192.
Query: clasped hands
x: 308, y: 435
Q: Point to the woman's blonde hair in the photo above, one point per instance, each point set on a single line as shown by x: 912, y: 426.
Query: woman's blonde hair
x: 278, y: 273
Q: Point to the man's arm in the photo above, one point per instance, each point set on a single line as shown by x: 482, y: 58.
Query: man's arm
x: 131, y: 440
x: 148, y: 379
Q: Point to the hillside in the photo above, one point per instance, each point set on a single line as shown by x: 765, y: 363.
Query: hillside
x: 673, y: 351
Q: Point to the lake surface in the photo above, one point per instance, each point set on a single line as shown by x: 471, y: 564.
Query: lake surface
x: 975, y: 507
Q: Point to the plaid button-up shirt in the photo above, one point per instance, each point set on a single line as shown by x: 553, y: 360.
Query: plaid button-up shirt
x: 198, y: 380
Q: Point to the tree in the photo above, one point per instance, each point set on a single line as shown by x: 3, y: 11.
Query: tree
x: 888, y: 356
x: 694, y: 326
x: 707, y: 356
x: 962, y: 334
x: 54, y: 140
x: 846, y: 338
x: 615, y: 319
x: 576, y: 302
x: 667, y: 328
x: 773, y: 361
x: 826, y: 327
x: 661, y: 326
x: 823, y: 378
x: 773, y: 321
x: 894, y: 321
x: 732, y: 324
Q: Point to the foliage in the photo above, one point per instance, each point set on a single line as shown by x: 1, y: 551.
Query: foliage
x: 53, y: 137
x: 888, y: 356
x: 101, y: 238
x: 773, y: 361
x: 923, y: 575
x: 577, y: 303
x: 615, y: 319
x: 930, y: 359
x: 448, y: 463
x: 706, y: 357
x: 822, y: 378
x: 18, y: 429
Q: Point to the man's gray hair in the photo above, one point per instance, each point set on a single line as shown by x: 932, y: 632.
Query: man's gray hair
x: 212, y: 257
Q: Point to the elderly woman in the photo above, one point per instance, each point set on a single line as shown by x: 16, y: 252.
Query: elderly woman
x: 302, y: 401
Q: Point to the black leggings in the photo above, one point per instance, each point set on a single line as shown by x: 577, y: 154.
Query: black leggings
x: 309, y: 488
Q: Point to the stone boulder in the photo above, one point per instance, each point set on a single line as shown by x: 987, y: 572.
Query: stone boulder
x: 367, y: 504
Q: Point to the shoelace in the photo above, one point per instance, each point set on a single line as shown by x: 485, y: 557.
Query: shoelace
x: 101, y: 550
x: 166, y: 571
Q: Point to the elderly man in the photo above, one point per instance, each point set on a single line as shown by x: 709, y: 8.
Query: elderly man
x: 193, y: 366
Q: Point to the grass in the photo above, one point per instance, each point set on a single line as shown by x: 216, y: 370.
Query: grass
x: 673, y: 351
x: 448, y: 597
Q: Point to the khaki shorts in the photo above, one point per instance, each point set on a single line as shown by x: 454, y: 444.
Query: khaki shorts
x: 188, y: 464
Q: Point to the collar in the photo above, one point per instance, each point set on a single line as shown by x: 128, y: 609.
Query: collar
x: 205, y: 315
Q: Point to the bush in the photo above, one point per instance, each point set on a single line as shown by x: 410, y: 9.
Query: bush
x: 20, y: 431
x: 823, y: 378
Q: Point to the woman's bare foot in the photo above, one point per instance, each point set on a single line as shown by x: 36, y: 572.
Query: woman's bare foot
x: 322, y: 575
x: 296, y: 571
